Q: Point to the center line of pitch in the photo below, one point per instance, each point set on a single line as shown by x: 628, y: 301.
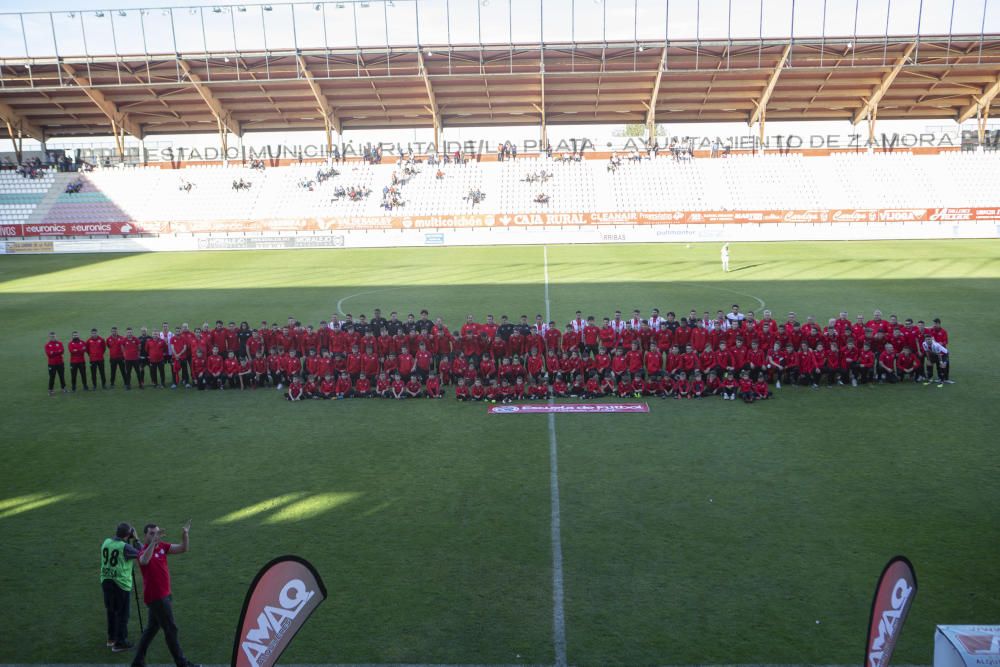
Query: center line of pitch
x: 558, y: 613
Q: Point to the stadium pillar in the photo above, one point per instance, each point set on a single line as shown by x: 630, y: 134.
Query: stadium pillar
x: 17, y: 140
x: 223, y: 140
x: 984, y: 116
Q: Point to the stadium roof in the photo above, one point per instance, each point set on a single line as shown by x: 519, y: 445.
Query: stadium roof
x: 829, y: 78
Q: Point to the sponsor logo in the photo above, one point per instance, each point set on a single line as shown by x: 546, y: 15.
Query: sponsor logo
x: 951, y: 214
x: 890, y: 623
x: 613, y: 237
x: 902, y: 214
x: 621, y: 218
x: 852, y: 215
x: 574, y: 408
x: 274, y: 621
x: 55, y: 230
x: 9, y: 230
x: 805, y: 216
x: 433, y: 239
x: 29, y: 247
x: 980, y: 644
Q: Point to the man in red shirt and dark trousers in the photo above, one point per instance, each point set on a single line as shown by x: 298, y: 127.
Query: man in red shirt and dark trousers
x: 95, y: 351
x: 54, y: 353
x: 156, y: 593
x: 77, y: 360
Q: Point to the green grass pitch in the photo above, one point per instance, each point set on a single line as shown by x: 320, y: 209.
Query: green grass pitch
x: 703, y: 532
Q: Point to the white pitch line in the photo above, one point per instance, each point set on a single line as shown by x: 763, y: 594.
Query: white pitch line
x: 558, y: 611
x: 340, y: 304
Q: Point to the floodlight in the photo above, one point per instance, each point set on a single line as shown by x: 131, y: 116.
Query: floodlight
x: 122, y: 12
x: 99, y: 15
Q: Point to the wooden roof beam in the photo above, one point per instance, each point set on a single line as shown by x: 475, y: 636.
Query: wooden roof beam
x: 879, y: 90
x: 433, y: 108
x: 321, y: 99
x: 110, y: 109
x: 651, y: 108
x: 18, y: 122
x: 772, y: 81
x: 981, y: 102
x: 222, y: 115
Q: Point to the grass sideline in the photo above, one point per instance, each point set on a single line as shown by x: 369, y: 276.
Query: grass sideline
x: 429, y: 521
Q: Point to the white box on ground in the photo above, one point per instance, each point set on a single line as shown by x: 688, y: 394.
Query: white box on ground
x: 966, y: 645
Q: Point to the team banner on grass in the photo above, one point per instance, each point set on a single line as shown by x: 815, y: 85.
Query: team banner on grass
x: 893, y: 598
x: 281, y: 598
x: 573, y: 408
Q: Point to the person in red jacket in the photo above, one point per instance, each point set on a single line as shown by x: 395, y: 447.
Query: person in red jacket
x: 231, y: 370
x: 131, y: 353
x: 214, y: 369
x: 295, y: 390
x: 461, y: 390
x: 155, y: 350
x: 199, y: 369
x: 383, y: 386
x: 95, y: 352
x: 77, y: 360
x: 745, y: 388
x: 114, y: 342
x: 434, y: 386
x: 363, y: 387
x: 54, y: 355
x: 345, y: 388
x: 887, y: 365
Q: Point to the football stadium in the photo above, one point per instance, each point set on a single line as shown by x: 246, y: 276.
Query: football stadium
x: 500, y: 332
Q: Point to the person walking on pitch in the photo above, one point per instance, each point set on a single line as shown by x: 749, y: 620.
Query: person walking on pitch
x: 725, y: 258
x: 156, y: 593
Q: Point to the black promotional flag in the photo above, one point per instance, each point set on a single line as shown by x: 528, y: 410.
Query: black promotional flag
x: 282, y: 596
x: 893, y: 597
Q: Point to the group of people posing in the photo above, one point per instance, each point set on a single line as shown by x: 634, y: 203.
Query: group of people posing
x: 734, y: 355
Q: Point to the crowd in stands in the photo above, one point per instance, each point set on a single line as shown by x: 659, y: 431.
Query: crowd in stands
x: 734, y: 355
x: 241, y: 184
x: 475, y: 196
x: 257, y: 164
x: 506, y: 151
x: 322, y: 175
x: 74, y: 186
x: 353, y: 192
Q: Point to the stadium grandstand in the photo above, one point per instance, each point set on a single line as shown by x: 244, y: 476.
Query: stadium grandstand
x: 348, y: 67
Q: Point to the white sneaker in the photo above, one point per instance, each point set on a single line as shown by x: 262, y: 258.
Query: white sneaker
x: 279, y: 386
x: 854, y: 382
x: 777, y: 384
x: 949, y: 382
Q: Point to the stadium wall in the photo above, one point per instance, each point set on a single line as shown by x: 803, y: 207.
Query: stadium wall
x: 684, y: 233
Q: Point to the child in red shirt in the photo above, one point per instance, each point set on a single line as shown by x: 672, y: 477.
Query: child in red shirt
x: 461, y: 390
x: 434, y: 386
x: 746, y: 387
x: 363, y: 387
x: 728, y: 387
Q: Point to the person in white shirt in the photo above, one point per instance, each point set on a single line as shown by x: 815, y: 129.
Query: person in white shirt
x: 937, y: 356
x: 725, y: 258
x: 735, y: 317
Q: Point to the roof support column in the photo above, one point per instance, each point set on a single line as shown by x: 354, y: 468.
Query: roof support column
x: 651, y: 107
x: 223, y: 118
x: 760, y: 113
x: 872, y: 102
x: 17, y: 140
x: 331, y: 121
x: 120, y: 122
x: 433, y: 108
x: 981, y: 109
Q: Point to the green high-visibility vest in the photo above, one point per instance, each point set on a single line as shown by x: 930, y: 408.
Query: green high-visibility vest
x: 114, y: 566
